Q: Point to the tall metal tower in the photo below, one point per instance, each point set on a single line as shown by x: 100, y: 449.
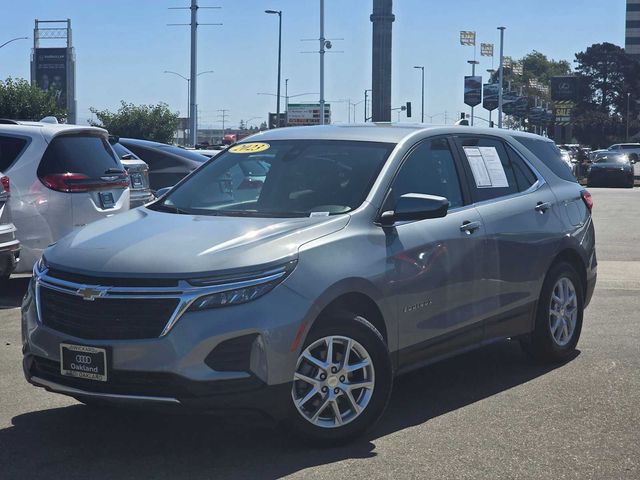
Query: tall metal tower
x: 632, y: 38
x: 54, y: 68
x: 382, y: 19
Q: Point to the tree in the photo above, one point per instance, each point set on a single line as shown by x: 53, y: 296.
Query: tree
x: 21, y: 100
x: 263, y: 126
x: 150, y: 122
x: 607, y: 74
x: 242, y: 126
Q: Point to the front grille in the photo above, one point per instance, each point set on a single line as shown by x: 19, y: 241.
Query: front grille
x: 105, y: 318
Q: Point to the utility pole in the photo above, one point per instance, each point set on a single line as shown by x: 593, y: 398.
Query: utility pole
x: 322, y: 45
x: 500, y: 76
x: 223, y: 116
x: 193, y: 107
x: 382, y: 18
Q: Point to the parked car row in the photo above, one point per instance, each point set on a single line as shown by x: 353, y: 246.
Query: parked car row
x: 56, y: 178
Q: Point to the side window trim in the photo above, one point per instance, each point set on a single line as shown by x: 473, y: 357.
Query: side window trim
x: 540, y: 181
x: 466, y: 194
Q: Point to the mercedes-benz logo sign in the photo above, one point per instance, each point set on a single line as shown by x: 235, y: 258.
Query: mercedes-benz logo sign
x: 86, y: 359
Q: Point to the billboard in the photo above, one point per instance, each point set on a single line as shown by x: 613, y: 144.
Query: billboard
x: 299, y: 114
x: 565, y: 89
x: 490, y: 96
x: 50, y: 69
x: 472, y: 91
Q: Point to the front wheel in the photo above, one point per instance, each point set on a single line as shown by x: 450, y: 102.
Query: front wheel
x: 342, y: 382
x: 558, y: 316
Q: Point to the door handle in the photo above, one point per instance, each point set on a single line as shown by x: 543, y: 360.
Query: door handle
x: 469, y: 227
x: 543, y: 207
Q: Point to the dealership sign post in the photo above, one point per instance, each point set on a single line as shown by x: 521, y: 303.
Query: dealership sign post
x: 308, y: 114
x: 53, y: 68
x: 472, y: 92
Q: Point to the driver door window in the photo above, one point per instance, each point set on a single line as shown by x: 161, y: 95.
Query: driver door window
x: 430, y: 169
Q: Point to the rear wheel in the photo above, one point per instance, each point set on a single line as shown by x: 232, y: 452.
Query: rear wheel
x: 342, y: 381
x: 559, y: 315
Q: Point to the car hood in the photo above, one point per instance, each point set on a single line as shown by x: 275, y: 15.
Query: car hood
x: 148, y: 243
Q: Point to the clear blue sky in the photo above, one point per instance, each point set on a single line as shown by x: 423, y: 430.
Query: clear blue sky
x: 123, y: 46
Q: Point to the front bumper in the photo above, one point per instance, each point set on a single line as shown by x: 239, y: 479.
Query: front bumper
x: 163, y: 391
x: 174, y: 370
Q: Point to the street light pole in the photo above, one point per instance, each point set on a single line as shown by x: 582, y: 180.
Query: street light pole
x: 13, y: 40
x: 279, y: 13
x: 286, y: 102
x: 500, y: 76
x: 422, y: 68
x: 628, y: 98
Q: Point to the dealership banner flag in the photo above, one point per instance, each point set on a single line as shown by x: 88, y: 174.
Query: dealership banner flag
x: 467, y: 38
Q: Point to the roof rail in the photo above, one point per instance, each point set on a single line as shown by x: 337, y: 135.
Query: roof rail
x: 8, y: 121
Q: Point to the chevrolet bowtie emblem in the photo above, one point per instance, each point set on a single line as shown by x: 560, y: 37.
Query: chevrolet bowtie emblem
x: 89, y: 294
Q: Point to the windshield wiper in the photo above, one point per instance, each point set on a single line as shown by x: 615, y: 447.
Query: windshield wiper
x: 163, y: 207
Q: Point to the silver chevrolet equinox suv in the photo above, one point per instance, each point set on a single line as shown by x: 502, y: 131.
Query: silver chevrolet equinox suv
x: 346, y: 256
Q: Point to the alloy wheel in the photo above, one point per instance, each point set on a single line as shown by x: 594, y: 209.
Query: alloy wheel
x: 333, y: 382
x: 563, y: 311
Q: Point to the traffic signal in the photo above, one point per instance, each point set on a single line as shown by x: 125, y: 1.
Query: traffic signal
x: 463, y: 115
x: 408, y: 109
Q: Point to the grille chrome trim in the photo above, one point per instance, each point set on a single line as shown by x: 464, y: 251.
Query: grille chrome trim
x: 186, y: 292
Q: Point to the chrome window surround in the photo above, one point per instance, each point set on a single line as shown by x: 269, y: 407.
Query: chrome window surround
x: 185, y: 292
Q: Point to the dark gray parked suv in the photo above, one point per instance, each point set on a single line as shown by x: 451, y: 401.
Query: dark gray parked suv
x: 364, y: 251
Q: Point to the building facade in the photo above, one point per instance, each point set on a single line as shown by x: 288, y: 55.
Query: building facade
x: 632, y: 40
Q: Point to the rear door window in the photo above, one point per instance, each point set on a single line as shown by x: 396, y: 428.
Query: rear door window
x: 89, y: 155
x: 491, y: 173
x: 10, y: 150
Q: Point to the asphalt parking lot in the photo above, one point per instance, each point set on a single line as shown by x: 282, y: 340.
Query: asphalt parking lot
x: 491, y: 413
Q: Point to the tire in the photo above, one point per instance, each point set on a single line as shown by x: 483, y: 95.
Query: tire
x: 366, y: 344
x: 547, y: 344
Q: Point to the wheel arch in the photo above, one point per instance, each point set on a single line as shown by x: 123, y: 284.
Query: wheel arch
x: 573, y: 258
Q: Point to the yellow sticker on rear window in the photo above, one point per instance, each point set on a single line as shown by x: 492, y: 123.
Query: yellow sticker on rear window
x: 249, y: 148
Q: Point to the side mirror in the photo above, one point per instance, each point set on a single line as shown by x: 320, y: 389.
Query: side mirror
x: 113, y: 139
x: 416, y: 206
x: 163, y: 191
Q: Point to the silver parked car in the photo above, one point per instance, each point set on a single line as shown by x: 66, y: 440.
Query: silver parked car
x: 138, y: 171
x: 9, y: 244
x: 364, y: 252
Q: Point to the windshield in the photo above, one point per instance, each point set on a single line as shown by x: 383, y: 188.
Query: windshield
x: 612, y: 159
x: 285, y: 178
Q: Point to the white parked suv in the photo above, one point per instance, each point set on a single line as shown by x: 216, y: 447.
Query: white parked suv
x: 62, y: 177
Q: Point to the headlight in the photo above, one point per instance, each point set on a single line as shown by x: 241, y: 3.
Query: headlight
x: 241, y: 290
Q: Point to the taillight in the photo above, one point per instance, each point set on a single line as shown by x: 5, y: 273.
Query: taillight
x: 587, y: 199
x: 250, y: 183
x: 5, y: 184
x: 78, y: 182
